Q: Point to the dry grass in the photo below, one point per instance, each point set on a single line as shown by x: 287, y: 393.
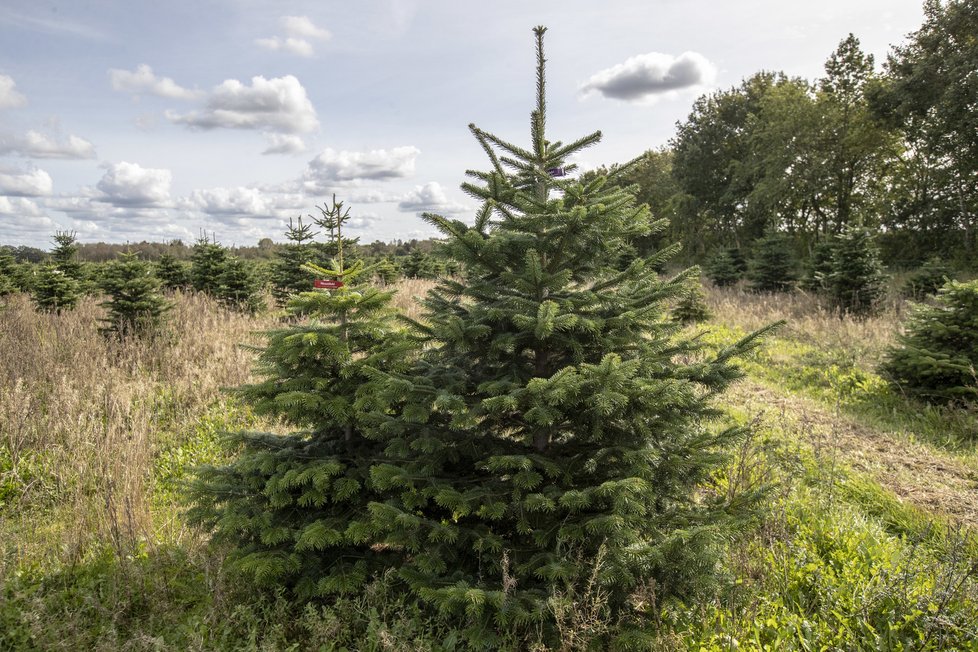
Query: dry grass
x: 408, y: 291
x: 809, y: 319
x: 81, y: 418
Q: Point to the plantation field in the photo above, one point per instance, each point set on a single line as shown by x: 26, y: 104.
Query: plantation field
x: 865, y: 541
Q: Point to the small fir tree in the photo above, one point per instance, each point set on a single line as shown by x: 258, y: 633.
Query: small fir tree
x: 857, y: 282
x: 64, y: 255
x: 928, y: 279
x: 819, y: 267
x: 238, y: 286
x: 691, y: 306
x: 135, y: 305
x: 295, y: 506
x: 208, y: 262
x: 551, y: 419
x: 936, y: 358
x: 387, y: 272
x: 723, y: 269
x: 288, y: 276
x: 54, y: 291
x: 173, y: 273
x: 7, y: 267
x: 773, y: 266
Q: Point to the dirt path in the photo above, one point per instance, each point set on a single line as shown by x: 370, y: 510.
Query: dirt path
x: 918, y: 474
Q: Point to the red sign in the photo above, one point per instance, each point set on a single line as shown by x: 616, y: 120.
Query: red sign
x: 327, y: 284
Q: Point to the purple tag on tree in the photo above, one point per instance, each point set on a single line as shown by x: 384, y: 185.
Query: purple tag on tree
x: 557, y: 172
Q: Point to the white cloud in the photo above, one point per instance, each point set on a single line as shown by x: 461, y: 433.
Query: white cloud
x: 33, y: 183
x: 278, y: 105
x: 242, y: 202
x: 646, y: 76
x: 299, y: 46
x: 19, y: 207
x: 363, y: 221
x: 302, y: 26
x: 430, y: 198
x: 129, y: 184
x: 230, y: 201
x: 37, y: 145
x: 284, y: 144
x: 10, y: 98
x: 298, y: 30
x: 142, y: 80
x: 332, y: 167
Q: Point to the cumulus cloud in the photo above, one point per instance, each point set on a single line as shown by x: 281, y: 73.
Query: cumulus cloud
x: 647, y: 76
x: 430, y: 198
x: 363, y: 221
x: 19, y: 207
x: 277, y: 105
x: 143, y: 80
x: 299, y: 46
x: 129, y: 184
x: 33, y: 183
x: 284, y: 144
x: 302, y: 26
x: 242, y: 202
x: 333, y: 167
x: 298, y: 31
x: 37, y: 145
x: 10, y: 98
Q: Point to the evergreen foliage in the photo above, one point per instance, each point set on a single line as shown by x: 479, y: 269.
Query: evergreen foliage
x: 773, y: 266
x: 551, y: 420
x: 207, y: 265
x: 937, y: 357
x: 818, y: 268
x: 723, y: 269
x: 691, y: 307
x: 173, y: 274
x: 7, y: 267
x: 53, y: 290
x: 927, y: 279
x: 238, y: 285
x: 288, y: 275
x: 295, y: 506
x: 387, y: 272
x: 135, y: 305
x: 64, y: 255
x: 857, y: 282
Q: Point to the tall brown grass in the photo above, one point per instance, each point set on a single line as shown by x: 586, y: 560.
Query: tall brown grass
x: 82, y: 416
x: 809, y: 318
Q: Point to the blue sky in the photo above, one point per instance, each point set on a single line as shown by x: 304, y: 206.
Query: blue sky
x: 127, y: 120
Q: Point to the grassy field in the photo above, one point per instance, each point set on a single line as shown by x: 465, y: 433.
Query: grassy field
x: 866, y: 541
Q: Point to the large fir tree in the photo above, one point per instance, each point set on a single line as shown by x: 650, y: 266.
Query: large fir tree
x: 554, y: 419
x: 295, y: 505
